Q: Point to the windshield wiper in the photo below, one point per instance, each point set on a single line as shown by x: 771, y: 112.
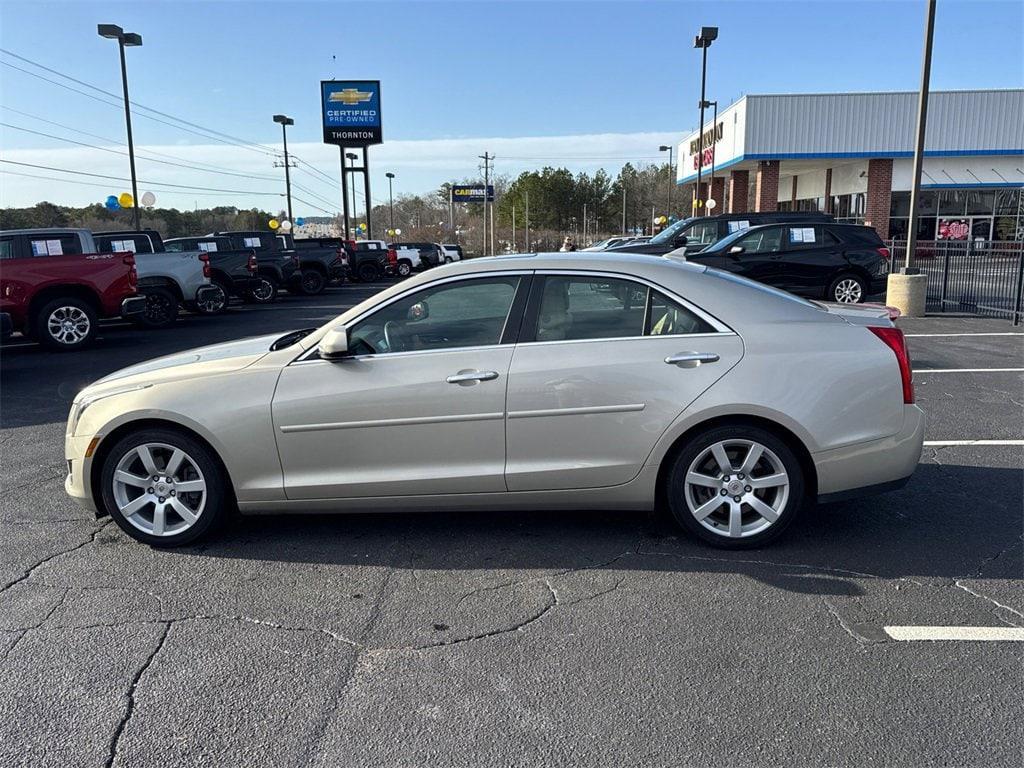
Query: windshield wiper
x: 290, y: 338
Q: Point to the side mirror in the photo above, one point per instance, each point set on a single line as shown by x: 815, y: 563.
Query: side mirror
x: 418, y: 311
x: 736, y: 250
x: 334, y: 345
x: 679, y: 241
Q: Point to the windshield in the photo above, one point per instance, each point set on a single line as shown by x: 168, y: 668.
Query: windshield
x: 667, y: 235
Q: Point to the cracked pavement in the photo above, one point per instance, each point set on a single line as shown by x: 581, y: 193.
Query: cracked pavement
x: 490, y: 638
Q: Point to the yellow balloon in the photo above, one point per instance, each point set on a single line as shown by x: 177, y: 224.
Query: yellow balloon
x: 274, y: 223
x: 126, y: 200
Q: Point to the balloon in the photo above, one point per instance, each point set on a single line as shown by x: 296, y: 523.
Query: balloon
x: 126, y: 200
x: 148, y: 199
x: 398, y: 231
x: 111, y: 203
x: 286, y: 225
x: 300, y: 221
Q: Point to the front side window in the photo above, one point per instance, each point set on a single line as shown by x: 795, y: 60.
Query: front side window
x: 574, y: 308
x: 7, y: 248
x: 761, y: 241
x: 469, y: 313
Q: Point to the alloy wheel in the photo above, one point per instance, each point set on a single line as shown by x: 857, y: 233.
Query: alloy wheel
x: 214, y: 302
x: 848, y: 291
x: 736, y: 488
x: 264, y: 290
x: 68, y: 325
x: 159, y: 489
x: 404, y: 270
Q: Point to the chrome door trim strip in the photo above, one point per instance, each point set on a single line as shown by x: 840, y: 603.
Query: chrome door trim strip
x: 411, y: 421
x: 581, y: 411
x: 677, y: 338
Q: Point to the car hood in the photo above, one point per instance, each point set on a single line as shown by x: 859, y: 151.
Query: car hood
x: 202, y: 361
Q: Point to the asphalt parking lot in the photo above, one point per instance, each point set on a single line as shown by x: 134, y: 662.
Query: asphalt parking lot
x: 546, y: 638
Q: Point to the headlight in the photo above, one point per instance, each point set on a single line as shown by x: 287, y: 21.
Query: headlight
x: 79, y: 406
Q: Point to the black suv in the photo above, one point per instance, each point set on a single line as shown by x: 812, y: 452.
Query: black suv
x: 837, y: 262
x: 696, y: 234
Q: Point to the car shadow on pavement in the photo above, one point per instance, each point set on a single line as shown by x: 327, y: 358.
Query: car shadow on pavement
x: 939, y: 528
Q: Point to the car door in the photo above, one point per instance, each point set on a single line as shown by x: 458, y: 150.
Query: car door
x: 418, y: 407
x: 758, y: 258
x: 809, y: 256
x: 604, y: 365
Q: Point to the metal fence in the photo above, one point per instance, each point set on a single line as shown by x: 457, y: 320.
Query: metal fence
x: 976, y: 277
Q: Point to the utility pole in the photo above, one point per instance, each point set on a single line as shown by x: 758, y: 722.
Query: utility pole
x: 513, y: 227
x: 486, y: 157
x: 285, y: 122
x: 391, y: 199
x: 130, y: 39
x: 703, y: 41
x: 922, y: 121
x: 623, y: 205
x: 584, y: 222
x: 527, y: 222
x: 352, y: 156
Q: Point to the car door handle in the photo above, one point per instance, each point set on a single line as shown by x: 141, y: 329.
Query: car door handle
x: 463, y: 377
x: 692, y: 357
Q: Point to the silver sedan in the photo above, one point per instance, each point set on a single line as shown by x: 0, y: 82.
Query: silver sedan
x: 553, y: 381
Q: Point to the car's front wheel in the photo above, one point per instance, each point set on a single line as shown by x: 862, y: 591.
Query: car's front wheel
x: 847, y: 289
x: 313, y: 282
x: 736, y: 486
x: 65, y: 324
x: 263, y: 291
x: 164, y: 488
x: 404, y: 268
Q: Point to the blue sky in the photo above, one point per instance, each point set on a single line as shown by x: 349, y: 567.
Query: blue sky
x: 582, y: 84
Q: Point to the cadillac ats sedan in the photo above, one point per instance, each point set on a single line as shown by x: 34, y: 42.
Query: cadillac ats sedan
x: 544, y: 381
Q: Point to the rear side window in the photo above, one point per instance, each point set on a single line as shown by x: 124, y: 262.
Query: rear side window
x: 55, y: 245
x: 702, y: 233
x: 800, y: 238
x: 8, y: 248
x: 174, y: 247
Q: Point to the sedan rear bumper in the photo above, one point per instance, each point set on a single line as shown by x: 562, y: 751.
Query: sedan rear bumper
x: 872, y: 467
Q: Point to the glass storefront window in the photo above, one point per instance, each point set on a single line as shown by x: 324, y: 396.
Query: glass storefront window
x: 1008, y: 228
x: 898, y: 228
x: 1008, y: 202
x: 900, y: 205
x: 980, y: 201
x: 952, y: 202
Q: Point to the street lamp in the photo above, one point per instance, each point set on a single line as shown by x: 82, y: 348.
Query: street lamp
x: 671, y: 173
x: 391, y: 198
x: 352, y: 156
x: 285, y: 122
x: 125, y: 39
x: 703, y: 41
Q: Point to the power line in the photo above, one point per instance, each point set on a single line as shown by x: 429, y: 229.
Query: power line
x: 98, y: 184
x: 137, y: 104
x: 141, y: 181
x: 115, y: 142
x: 317, y: 207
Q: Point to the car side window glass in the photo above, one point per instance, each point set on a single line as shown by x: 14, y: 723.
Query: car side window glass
x: 469, y: 313
x: 7, y: 248
x: 761, y: 241
x: 668, y: 318
x: 799, y: 238
x: 704, y: 233
x: 55, y: 245
x: 577, y: 307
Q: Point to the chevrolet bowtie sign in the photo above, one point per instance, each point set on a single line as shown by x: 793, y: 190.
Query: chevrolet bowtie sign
x: 351, y: 112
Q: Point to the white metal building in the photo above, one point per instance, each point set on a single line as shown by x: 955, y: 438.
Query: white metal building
x: 850, y: 154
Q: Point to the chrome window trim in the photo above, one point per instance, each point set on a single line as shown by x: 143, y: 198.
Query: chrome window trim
x: 714, y: 322
x: 715, y: 335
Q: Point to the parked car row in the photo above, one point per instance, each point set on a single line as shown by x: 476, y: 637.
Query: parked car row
x: 56, y: 284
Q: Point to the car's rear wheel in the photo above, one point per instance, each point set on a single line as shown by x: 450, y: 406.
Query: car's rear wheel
x: 404, y: 268
x: 847, y: 289
x: 313, y: 282
x: 736, y: 486
x: 161, y: 308
x: 263, y: 291
x: 164, y: 488
x: 369, y: 272
x: 447, y: 259
x: 65, y: 324
x: 213, y: 302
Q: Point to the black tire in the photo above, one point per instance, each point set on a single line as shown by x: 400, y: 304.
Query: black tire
x: 368, y: 272
x: 312, y: 282
x: 216, y: 506
x: 851, y: 287
x: 447, y: 259
x: 216, y: 304
x: 403, y: 268
x: 789, y: 503
x: 74, y: 324
x: 161, y: 308
x: 264, y: 292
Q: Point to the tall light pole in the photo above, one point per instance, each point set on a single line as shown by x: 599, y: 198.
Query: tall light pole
x: 671, y: 180
x: 285, y: 122
x: 703, y: 41
x: 922, y: 121
x: 391, y: 198
x: 125, y: 39
x: 352, y: 156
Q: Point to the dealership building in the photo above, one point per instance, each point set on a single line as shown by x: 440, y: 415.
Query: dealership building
x: 851, y: 155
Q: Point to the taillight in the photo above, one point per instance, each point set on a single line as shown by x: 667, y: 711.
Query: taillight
x: 883, y: 252
x: 351, y: 244
x: 252, y: 265
x: 342, y: 257
x: 894, y: 339
x: 205, y: 258
x: 133, y: 274
x: 392, y: 256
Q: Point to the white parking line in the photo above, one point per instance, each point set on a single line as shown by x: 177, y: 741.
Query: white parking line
x: 968, y: 370
x: 945, y: 335
x: 989, y: 634
x: 973, y: 442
